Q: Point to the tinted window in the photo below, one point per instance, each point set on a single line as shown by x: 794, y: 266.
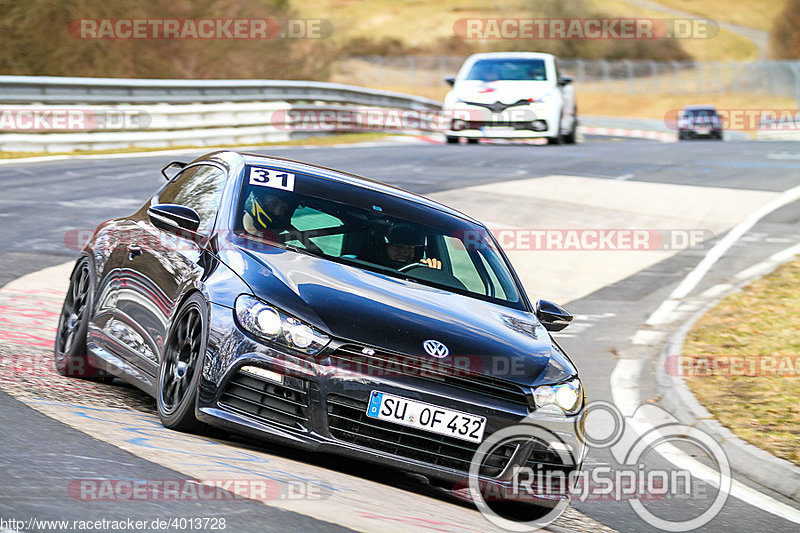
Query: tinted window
x: 452, y: 254
x: 199, y: 187
x: 508, y: 69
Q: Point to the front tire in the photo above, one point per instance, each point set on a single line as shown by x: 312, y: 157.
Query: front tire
x: 559, y: 137
x: 181, y: 366
x: 452, y: 140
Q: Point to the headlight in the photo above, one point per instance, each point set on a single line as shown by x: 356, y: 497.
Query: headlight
x: 566, y: 396
x: 547, y: 98
x: 271, y: 324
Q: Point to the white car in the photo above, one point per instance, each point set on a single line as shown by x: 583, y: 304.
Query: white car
x: 510, y: 95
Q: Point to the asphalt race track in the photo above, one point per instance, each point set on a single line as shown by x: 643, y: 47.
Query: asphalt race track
x: 58, y: 432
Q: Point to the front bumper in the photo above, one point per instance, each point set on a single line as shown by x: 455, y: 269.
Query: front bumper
x: 699, y: 131
x: 319, y: 407
x: 522, y: 122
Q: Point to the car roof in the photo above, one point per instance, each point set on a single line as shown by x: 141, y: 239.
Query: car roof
x: 340, y: 177
x: 510, y: 55
x: 699, y: 106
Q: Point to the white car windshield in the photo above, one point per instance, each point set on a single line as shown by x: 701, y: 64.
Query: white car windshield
x: 508, y: 69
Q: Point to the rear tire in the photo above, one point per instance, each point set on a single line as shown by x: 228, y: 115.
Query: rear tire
x: 571, y: 137
x: 69, y: 349
x: 181, y: 366
x: 452, y: 140
x: 472, y: 141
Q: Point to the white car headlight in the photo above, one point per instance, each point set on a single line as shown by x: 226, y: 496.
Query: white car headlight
x: 568, y: 396
x: 271, y: 324
x: 547, y: 98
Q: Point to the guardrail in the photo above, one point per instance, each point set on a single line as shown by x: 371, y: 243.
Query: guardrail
x: 165, y: 125
x: 55, y: 90
x: 119, y: 113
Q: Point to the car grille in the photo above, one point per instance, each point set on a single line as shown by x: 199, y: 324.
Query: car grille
x: 548, y: 467
x: 258, y: 398
x: 348, y: 421
x: 373, y: 362
x: 478, y: 124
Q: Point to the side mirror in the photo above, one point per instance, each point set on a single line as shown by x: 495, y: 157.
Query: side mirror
x: 174, y: 218
x: 564, y: 80
x: 174, y: 165
x: 450, y: 80
x: 552, y: 316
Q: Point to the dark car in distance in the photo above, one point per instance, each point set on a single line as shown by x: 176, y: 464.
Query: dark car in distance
x: 295, y: 303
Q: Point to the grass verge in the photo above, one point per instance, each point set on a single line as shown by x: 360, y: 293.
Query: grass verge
x: 758, y: 321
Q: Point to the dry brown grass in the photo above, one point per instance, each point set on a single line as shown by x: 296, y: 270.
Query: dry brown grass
x: 760, y: 320
x: 418, y: 23
x: 758, y: 14
x: 658, y: 105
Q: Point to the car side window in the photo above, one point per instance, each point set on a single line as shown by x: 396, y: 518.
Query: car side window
x: 199, y: 187
x: 462, y: 265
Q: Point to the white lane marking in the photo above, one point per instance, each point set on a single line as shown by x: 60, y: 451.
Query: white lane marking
x: 625, y: 394
x: 769, y: 264
x: 662, y: 315
x: 624, y: 177
x: 716, y: 290
x: 648, y: 337
x: 783, y: 155
x: 625, y: 385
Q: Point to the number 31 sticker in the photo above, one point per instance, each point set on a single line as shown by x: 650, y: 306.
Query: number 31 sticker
x: 267, y: 177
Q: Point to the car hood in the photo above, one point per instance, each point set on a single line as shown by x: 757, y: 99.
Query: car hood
x: 505, y: 91
x: 368, y: 308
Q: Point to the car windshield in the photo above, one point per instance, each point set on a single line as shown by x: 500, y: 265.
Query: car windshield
x: 508, y: 69
x: 443, y: 251
x: 700, y: 113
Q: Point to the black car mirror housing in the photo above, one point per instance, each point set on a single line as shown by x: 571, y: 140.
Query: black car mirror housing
x: 552, y: 316
x: 450, y: 80
x: 173, y: 217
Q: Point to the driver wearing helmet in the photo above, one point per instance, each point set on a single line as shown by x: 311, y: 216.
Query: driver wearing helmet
x: 404, y: 245
x: 268, y: 215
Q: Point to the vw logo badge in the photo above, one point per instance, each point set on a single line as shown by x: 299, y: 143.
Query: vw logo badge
x: 435, y: 348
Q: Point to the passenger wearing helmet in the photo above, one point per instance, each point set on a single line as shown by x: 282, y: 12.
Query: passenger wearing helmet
x: 404, y: 245
x: 267, y: 215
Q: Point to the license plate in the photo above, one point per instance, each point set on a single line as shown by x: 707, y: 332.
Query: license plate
x: 425, y: 416
x: 500, y: 130
x: 703, y: 129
